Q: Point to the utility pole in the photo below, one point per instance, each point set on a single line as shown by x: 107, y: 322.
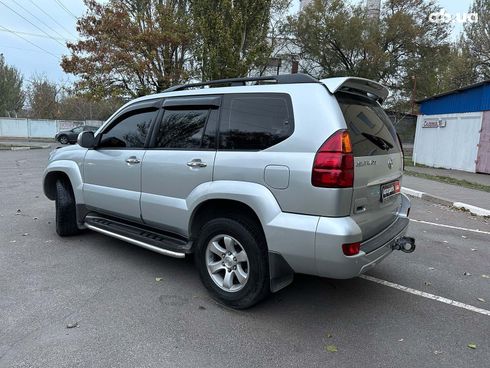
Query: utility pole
x: 414, y: 93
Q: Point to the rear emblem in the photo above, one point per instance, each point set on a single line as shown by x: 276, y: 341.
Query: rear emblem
x: 390, y: 163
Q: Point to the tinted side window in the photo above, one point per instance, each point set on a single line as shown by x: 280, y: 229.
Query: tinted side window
x: 255, y: 122
x: 130, y: 131
x: 187, y: 128
x: 371, y: 130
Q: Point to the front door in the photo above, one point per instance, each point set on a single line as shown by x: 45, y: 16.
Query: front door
x: 112, y: 170
x: 179, y: 159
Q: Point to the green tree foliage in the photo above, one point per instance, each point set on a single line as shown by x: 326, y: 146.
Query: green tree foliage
x: 11, y: 95
x: 477, y: 36
x: 233, y: 35
x: 131, y: 47
x: 460, y: 68
x: 338, y: 38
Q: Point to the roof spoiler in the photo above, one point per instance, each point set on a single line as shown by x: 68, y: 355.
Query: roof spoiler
x: 353, y: 84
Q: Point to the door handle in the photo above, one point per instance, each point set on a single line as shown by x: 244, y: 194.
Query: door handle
x: 132, y: 160
x: 196, y: 163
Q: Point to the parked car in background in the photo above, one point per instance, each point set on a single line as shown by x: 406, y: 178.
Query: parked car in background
x: 71, y: 135
x: 258, y: 182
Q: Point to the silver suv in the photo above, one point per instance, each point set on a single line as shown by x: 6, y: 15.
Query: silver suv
x: 258, y: 178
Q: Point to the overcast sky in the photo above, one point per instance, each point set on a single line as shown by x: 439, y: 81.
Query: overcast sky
x: 33, y: 22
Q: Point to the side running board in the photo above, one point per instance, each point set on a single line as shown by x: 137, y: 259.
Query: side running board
x: 139, y: 235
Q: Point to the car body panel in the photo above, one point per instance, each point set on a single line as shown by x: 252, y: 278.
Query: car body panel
x: 111, y: 184
x: 167, y: 181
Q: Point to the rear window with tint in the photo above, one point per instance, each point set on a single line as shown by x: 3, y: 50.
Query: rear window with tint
x: 255, y: 121
x: 371, y: 130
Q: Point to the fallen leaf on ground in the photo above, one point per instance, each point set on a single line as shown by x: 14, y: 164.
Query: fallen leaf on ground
x: 466, y: 274
x: 445, y: 241
x: 202, y: 308
x: 25, y: 234
x: 485, y: 276
x: 431, y: 268
x: 329, y: 336
x: 427, y: 283
x: 158, y: 278
x: 472, y: 346
x: 72, y: 325
x: 13, y: 241
x: 331, y: 348
x: 401, y: 340
x: 481, y: 300
x: 437, y: 352
x: 464, y: 236
x: 34, y: 218
x: 474, y: 249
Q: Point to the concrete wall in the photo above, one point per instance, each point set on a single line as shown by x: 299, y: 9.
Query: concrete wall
x: 36, y: 128
x: 453, y: 146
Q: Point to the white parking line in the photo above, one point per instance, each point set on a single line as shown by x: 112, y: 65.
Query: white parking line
x: 452, y: 227
x: 426, y: 295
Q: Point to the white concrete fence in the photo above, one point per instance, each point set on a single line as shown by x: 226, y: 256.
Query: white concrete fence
x: 38, y: 128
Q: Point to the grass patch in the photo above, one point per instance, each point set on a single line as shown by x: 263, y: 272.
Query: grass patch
x: 448, y: 180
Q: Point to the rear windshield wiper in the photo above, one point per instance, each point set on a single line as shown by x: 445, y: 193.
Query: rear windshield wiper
x: 378, y: 141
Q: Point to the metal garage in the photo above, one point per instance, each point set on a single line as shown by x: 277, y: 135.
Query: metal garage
x: 453, y: 130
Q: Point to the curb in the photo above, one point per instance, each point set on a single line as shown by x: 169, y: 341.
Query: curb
x: 446, y: 202
x: 21, y: 148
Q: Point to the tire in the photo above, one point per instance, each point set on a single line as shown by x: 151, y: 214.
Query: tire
x: 245, y: 236
x: 66, y: 214
x: 63, y: 139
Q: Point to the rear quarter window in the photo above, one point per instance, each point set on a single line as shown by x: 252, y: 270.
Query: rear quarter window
x: 371, y: 130
x: 255, y: 121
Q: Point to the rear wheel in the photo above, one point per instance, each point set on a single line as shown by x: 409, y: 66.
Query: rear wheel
x: 63, y: 139
x: 231, y: 257
x: 66, y: 214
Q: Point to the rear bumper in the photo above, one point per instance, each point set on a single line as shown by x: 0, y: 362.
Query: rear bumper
x: 313, y: 245
x: 331, y: 261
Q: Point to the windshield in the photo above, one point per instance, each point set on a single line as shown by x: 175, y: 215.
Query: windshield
x: 371, y: 131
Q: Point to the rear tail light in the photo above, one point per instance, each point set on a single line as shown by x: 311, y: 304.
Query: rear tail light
x: 351, y: 249
x: 334, y: 162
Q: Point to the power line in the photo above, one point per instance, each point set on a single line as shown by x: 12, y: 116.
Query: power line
x: 53, y: 19
x: 19, y: 48
x: 34, y: 34
x: 39, y: 19
x: 20, y: 15
x: 32, y: 43
x: 65, y: 9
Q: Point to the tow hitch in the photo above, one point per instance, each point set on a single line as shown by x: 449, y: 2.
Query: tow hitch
x: 405, y: 244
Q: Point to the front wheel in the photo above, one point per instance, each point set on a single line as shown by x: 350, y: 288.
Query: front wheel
x: 231, y: 257
x: 63, y: 139
x: 66, y: 213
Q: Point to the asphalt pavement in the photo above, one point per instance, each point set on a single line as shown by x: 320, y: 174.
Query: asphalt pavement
x: 128, y: 307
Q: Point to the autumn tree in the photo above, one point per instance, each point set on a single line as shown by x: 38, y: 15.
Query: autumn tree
x: 42, y: 98
x: 81, y: 107
x: 131, y: 47
x: 11, y: 95
x: 234, y: 36
x: 339, y: 38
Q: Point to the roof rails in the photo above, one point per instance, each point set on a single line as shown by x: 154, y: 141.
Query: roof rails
x: 278, y: 79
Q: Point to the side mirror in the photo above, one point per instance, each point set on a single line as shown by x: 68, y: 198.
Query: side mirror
x: 86, y: 139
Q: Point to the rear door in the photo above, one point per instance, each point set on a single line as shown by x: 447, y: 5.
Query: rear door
x: 377, y: 163
x: 180, y: 158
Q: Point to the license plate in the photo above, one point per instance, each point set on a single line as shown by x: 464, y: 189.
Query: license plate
x: 390, y: 189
